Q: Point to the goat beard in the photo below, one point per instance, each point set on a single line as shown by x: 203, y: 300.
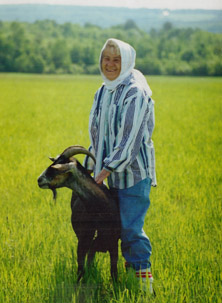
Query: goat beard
x: 54, y: 192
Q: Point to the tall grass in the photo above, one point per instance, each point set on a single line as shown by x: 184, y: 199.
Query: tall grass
x: 41, y: 116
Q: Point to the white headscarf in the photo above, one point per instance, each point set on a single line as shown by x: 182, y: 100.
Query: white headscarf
x: 128, y: 58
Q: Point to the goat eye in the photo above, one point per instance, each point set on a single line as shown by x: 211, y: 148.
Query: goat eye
x: 51, y: 172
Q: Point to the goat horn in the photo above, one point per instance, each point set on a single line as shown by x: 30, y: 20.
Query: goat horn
x: 75, y: 150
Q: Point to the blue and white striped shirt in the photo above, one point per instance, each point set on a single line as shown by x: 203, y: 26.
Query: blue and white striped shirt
x: 120, y: 125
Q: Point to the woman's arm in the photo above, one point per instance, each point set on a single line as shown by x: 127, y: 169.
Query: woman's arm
x: 102, y: 176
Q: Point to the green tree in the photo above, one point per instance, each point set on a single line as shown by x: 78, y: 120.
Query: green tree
x: 60, y: 55
x: 48, y: 47
x: 130, y: 24
x: 88, y: 55
x: 149, y: 66
x: 7, y: 53
x: 75, y: 54
x: 187, y: 55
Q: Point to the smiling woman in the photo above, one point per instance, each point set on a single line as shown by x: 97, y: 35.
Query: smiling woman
x: 111, y: 61
x: 120, y: 129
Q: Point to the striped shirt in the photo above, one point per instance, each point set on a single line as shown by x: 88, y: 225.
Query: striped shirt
x: 120, y: 126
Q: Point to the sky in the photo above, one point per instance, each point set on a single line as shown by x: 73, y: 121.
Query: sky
x: 160, y: 4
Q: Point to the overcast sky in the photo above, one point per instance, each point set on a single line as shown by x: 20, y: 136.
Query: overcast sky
x: 170, y: 4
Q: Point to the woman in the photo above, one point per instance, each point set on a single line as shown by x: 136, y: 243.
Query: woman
x: 120, y: 126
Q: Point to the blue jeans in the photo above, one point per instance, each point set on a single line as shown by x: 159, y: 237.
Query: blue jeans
x: 134, y: 203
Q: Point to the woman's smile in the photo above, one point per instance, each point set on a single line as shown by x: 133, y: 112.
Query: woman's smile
x: 111, y: 64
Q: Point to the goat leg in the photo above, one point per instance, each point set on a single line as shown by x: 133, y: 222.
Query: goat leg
x: 82, y: 250
x: 84, y: 243
x: 91, y: 254
x: 113, y: 260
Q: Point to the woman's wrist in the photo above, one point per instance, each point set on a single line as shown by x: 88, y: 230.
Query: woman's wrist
x: 102, y: 176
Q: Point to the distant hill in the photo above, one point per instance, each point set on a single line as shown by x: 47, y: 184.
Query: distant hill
x: 209, y: 20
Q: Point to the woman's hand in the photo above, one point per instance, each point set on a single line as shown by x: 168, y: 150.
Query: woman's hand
x: 102, y: 176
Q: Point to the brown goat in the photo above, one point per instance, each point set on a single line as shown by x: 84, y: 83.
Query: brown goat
x: 95, y: 213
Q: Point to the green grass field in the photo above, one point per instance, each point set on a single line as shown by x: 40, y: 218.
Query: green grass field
x: 42, y: 115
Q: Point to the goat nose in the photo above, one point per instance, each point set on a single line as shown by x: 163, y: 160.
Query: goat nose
x: 39, y: 180
x: 42, y: 182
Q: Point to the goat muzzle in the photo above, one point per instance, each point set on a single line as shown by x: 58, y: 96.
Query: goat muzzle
x: 42, y: 182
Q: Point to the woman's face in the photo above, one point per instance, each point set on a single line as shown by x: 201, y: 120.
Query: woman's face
x: 111, y: 63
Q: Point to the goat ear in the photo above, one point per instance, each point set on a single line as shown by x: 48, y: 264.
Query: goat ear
x: 64, y: 168
x: 52, y: 159
x: 60, y: 167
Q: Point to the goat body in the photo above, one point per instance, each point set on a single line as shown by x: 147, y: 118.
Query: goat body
x: 95, y: 213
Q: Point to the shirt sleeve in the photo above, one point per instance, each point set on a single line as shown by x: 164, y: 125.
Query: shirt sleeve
x: 134, y: 117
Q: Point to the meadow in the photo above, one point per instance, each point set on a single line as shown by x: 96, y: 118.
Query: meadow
x: 42, y: 115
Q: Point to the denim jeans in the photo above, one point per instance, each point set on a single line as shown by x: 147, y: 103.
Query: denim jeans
x: 134, y: 203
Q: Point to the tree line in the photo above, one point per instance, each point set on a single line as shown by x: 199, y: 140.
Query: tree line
x: 49, y: 47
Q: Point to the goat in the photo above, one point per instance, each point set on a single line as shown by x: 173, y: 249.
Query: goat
x: 95, y: 213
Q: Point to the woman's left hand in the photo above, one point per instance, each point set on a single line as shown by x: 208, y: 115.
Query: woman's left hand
x: 102, y: 176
